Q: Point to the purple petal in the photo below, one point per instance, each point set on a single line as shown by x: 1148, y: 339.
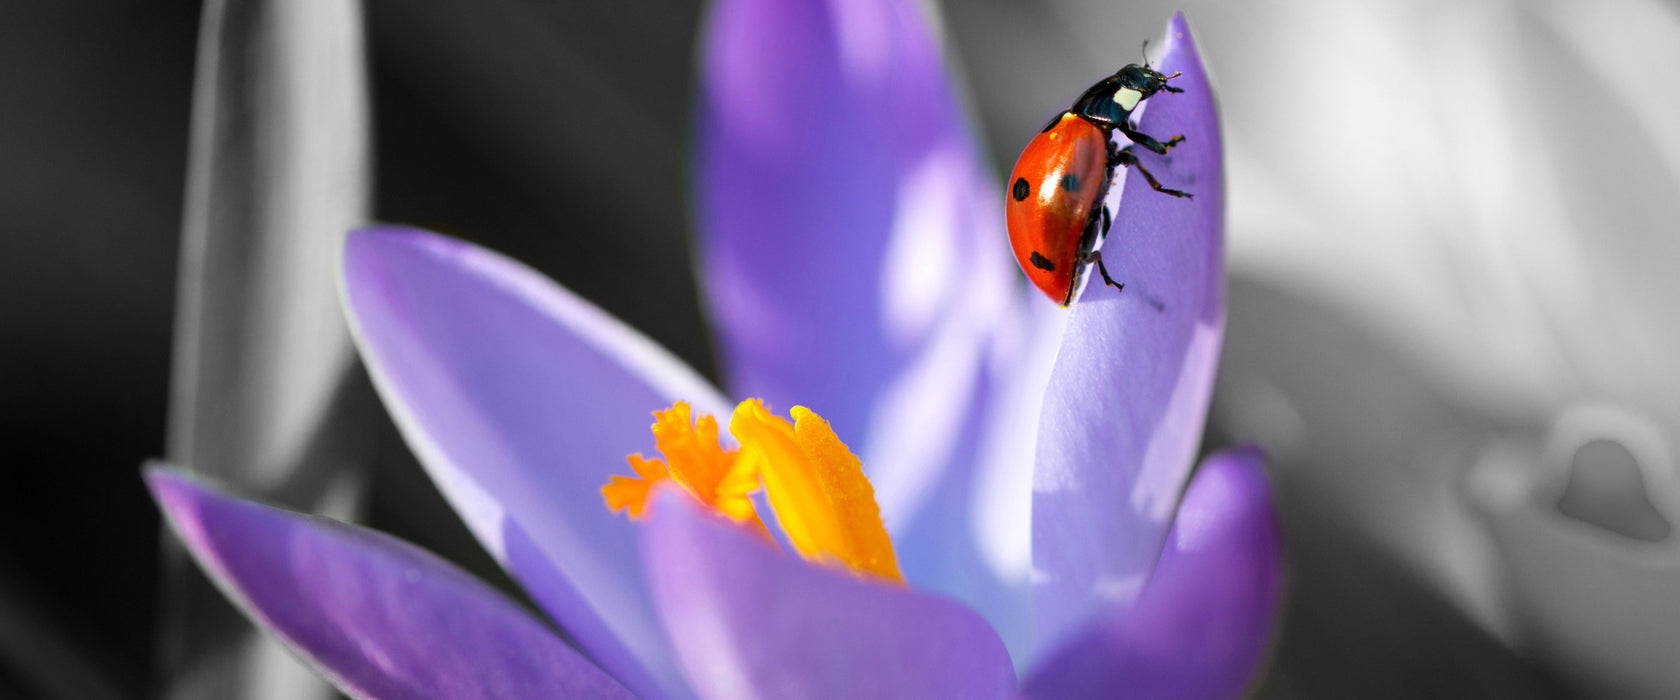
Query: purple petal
x: 751, y: 621
x: 378, y: 616
x: 520, y: 399
x: 1129, y: 394
x: 1203, y: 624
x: 853, y: 251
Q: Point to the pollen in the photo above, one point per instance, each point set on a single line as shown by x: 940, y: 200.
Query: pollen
x: 816, y: 486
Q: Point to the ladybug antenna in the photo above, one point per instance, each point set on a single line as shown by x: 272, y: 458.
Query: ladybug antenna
x: 1169, y: 88
x: 1145, y: 53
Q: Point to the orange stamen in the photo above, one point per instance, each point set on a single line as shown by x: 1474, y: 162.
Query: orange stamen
x: 815, y: 484
x: 694, y: 460
x: 628, y: 492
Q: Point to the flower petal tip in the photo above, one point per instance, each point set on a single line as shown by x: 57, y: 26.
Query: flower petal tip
x: 177, y: 495
x: 376, y: 616
x: 1205, y: 621
x: 1177, y: 26
x: 1231, y: 492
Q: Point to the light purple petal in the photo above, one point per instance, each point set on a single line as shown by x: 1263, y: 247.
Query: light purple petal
x: 1203, y: 624
x: 378, y: 616
x: 1129, y: 394
x: 520, y: 399
x: 853, y: 249
x: 751, y: 621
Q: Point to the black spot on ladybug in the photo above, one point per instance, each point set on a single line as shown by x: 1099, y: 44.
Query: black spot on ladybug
x: 1022, y: 189
x: 1042, y: 263
x: 1070, y: 182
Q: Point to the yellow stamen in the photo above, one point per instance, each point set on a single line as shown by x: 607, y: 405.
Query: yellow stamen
x: 815, y: 484
x: 821, y: 497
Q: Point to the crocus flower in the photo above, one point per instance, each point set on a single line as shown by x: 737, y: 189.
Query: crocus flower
x: 1033, y: 467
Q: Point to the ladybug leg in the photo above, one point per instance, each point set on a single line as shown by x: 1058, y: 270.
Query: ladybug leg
x: 1107, y: 221
x: 1095, y: 256
x: 1147, y: 141
x: 1125, y: 157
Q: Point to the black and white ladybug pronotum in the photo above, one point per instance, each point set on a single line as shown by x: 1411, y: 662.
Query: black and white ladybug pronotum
x: 1056, y: 192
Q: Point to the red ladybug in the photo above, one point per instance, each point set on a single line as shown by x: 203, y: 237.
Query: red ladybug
x: 1056, y: 192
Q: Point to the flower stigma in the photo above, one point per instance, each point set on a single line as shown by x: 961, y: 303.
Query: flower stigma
x: 814, y: 483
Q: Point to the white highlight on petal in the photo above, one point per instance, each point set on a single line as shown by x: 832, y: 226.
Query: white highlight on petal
x: 865, y: 33
x: 1160, y: 479
x: 1001, y: 517
x: 1118, y: 589
x: 914, y: 426
x: 945, y: 286
x: 919, y: 269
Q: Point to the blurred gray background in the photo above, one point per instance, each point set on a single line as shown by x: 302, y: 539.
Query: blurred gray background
x: 1453, y: 231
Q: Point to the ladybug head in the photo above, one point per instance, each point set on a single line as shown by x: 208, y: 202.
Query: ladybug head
x: 1144, y: 79
x: 1110, y: 102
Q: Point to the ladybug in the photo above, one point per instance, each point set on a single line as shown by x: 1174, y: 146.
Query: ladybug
x: 1055, y: 199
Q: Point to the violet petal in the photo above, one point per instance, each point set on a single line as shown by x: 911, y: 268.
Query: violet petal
x: 750, y: 621
x: 376, y: 615
x: 520, y: 399
x: 1202, y: 625
x: 1129, y: 394
x: 852, y: 244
